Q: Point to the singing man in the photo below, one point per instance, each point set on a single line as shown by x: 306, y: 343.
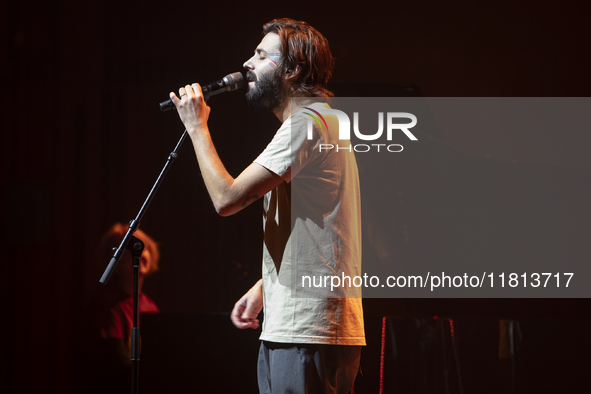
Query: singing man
x: 311, y: 338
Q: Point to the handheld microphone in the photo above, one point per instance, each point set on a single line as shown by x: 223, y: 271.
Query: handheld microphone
x: 229, y: 83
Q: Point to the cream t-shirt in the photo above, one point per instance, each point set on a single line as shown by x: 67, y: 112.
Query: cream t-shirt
x: 312, y: 228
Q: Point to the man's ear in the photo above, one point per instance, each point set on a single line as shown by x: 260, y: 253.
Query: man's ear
x: 292, y: 74
x: 145, y: 262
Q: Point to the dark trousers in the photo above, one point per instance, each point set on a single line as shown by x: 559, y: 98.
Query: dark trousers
x: 303, y: 368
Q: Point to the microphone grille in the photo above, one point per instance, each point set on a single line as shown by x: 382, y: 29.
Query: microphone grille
x: 236, y: 81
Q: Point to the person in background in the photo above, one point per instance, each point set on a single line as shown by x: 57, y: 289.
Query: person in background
x: 110, y: 314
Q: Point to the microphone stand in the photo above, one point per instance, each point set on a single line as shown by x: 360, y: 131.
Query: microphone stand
x: 136, y: 248
x: 136, y: 251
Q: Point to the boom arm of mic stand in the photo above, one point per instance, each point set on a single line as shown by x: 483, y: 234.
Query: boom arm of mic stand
x: 135, y: 224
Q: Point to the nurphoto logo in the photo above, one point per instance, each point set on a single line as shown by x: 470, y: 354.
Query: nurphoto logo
x: 345, y: 130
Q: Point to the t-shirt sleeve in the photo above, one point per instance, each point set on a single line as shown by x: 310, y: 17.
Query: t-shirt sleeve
x: 290, y: 150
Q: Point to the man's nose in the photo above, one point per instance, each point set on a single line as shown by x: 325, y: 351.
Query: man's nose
x: 248, y: 64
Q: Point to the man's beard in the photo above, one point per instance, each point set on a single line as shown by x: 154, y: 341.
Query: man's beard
x: 266, y: 94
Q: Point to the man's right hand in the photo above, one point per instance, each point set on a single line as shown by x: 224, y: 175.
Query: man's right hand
x: 246, y: 310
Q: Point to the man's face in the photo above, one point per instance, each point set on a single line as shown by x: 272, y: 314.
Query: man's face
x: 265, y: 89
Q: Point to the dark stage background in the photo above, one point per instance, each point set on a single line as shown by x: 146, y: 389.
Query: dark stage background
x: 82, y: 141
